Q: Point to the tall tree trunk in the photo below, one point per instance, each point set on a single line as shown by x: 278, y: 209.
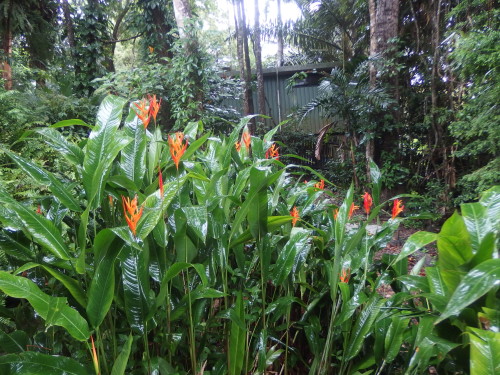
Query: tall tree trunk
x: 183, y: 13
x: 280, y: 57
x: 257, y: 50
x: 7, y: 50
x: 384, y: 20
x: 116, y: 33
x: 68, y: 24
x: 244, y: 58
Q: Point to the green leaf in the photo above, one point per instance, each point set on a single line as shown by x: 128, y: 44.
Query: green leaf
x: 197, y: 220
x: 72, y: 285
x: 474, y: 285
x: 394, y: 337
x: 53, y: 308
x: 44, y: 232
x: 133, y: 155
x: 237, y: 338
x: 15, y: 342
x: 415, y: 242
x: 257, y: 215
x: 71, y: 122
x: 453, y: 243
x: 33, y: 363
x: 484, y: 351
x: 135, y: 278
x: 363, y: 326
x: 58, y: 142
x: 185, y: 249
x: 120, y: 364
x: 292, y: 254
x: 43, y: 177
x: 477, y: 223
x: 439, y: 294
x: 103, y: 146
x: 102, y: 288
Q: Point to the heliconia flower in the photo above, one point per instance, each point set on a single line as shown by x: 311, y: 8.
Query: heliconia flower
x: 305, y: 181
x: 273, y: 152
x: 154, y: 106
x: 345, y: 275
x: 336, y: 213
x: 95, y: 359
x: 151, y: 49
x: 160, y: 182
x: 131, y: 212
x: 247, y: 140
x: 39, y: 210
x: 352, y: 209
x: 177, y: 147
x: 367, y: 202
x: 295, y: 214
x: 320, y: 184
x: 397, y: 208
x: 143, y: 113
x: 237, y: 145
x: 111, y: 202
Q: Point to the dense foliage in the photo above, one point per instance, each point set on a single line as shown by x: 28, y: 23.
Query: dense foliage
x: 211, y: 255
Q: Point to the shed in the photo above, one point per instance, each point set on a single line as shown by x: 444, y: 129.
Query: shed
x: 283, y: 98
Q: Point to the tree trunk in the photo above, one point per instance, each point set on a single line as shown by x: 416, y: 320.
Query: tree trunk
x: 280, y: 57
x: 244, y: 58
x: 257, y: 50
x: 68, y: 24
x: 116, y: 32
x: 183, y: 13
x: 384, y: 20
x: 7, y: 50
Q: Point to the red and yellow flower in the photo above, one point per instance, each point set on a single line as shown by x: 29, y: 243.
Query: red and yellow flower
x: 237, y: 145
x: 345, y: 275
x: 154, y: 106
x: 160, y: 182
x: 320, y: 185
x: 273, y: 152
x: 367, y: 202
x: 247, y: 139
x: 143, y: 112
x: 352, y: 209
x: 295, y: 215
x: 131, y: 212
x: 177, y: 147
x: 397, y: 208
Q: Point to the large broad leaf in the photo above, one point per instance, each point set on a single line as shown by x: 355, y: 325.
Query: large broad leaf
x: 102, y: 288
x: 103, y: 146
x: 135, y: 278
x: 484, y: 352
x: 394, y: 337
x: 121, y: 361
x: 363, y: 326
x: 185, y: 249
x: 273, y: 223
x: 33, y: 363
x: 133, y: 156
x: 237, y: 337
x: 54, y: 310
x: 58, y: 142
x: 477, y: 222
x: 415, y: 242
x: 251, y: 200
x: 44, y: 232
x: 15, y: 342
x: 43, y: 177
x: 257, y: 215
x: 479, y: 281
x: 491, y: 200
x: 292, y: 255
x: 454, y: 243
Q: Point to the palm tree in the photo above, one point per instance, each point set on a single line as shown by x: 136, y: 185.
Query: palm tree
x: 348, y: 101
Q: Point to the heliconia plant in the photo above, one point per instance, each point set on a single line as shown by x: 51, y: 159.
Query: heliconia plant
x: 218, y: 261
